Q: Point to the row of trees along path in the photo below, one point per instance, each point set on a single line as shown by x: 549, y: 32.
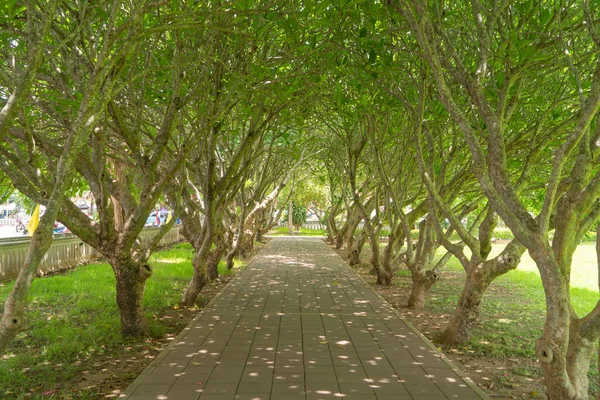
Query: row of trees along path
x: 385, y: 114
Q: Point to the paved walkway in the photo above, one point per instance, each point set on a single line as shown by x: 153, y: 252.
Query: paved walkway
x: 299, y: 324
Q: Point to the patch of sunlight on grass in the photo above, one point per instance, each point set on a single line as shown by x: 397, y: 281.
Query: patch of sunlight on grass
x: 584, y: 272
x: 584, y: 276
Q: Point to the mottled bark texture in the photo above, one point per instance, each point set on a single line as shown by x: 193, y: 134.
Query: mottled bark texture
x: 200, y: 262
x: 354, y: 251
x: 480, y: 274
x: 131, y: 281
x: 13, y: 317
x: 424, y: 273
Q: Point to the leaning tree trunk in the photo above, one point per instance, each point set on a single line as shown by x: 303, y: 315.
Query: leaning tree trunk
x: 247, y: 234
x: 332, y: 229
x: 13, y: 319
x: 466, y: 312
x: 479, y: 276
x: 236, y: 245
x: 200, y: 277
x: 349, y: 239
x: 388, y: 253
x: 212, y: 264
x: 341, y: 234
x: 131, y: 281
x: 383, y: 277
x: 258, y: 228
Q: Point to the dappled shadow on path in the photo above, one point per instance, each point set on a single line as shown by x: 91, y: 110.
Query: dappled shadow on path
x: 299, y: 324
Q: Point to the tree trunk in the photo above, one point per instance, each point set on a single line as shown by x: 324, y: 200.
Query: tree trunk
x: 13, y: 319
x: 332, y: 230
x: 199, y: 279
x: 421, y: 285
x: 200, y: 261
x: 383, y: 277
x: 388, y: 252
x: 466, y: 312
x: 271, y: 222
x: 212, y: 264
x: 290, y: 218
x: 356, y: 249
x: 339, y: 238
x: 341, y: 234
x: 131, y: 280
x: 235, y: 248
x: 215, y: 257
x: 230, y: 256
x: 559, y: 349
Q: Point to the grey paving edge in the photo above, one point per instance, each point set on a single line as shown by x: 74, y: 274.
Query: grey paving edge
x: 137, y: 382
x: 443, y: 357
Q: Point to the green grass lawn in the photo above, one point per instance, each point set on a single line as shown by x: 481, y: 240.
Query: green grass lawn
x: 73, y: 319
x: 284, y: 231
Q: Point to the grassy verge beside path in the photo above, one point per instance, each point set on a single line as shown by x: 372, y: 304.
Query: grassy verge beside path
x: 73, y: 347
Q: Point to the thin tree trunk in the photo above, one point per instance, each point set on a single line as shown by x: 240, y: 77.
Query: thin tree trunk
x: 13, y: 319
x: 339, y: 238
x: 349, y: 239
x: 235, y: 249
x: 199, y: 279
x: 332, y: 229
x: 215, y: 257
x: 383, y: 277
x: 291, y: 218
x: 247, y: 234
x: 200, y: 261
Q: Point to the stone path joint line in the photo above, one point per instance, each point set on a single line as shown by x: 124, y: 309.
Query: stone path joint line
x: 299, y: 324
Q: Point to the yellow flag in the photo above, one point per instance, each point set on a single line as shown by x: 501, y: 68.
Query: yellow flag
x: 169, y: 216
x: 34, y: 221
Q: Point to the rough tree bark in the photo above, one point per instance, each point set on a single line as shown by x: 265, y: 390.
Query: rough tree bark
x: 480, y: 275
x: 131, y: 281
x: 290, y: 218
x: 355, y: 249
x: 200, y: 261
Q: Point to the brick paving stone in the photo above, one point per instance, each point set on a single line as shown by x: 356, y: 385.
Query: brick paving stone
x: 299, y: 324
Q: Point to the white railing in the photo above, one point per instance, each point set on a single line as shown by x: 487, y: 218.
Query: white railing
x: 313, y: 225
x: 310, y: 225
x: 66, y: 251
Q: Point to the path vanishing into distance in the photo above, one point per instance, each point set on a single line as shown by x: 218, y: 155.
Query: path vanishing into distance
x: 298, y: 323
